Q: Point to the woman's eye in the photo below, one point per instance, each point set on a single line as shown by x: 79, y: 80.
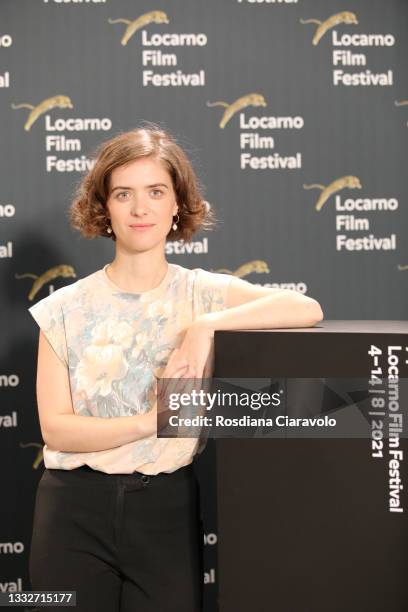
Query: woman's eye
x: 156, y: 191
x: 123, y: 193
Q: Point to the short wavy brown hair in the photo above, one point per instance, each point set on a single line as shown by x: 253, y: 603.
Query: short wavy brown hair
x: 88, y: 211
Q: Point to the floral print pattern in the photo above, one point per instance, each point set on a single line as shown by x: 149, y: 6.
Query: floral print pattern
x: 113, y: 344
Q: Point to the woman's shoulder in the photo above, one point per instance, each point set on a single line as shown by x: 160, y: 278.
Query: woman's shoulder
x: 72, y: 292
x: 206, y: 284
x: 199, y: 273
x: 209, y: 278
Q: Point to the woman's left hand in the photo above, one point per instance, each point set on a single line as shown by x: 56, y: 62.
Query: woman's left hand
x: 196, y: 348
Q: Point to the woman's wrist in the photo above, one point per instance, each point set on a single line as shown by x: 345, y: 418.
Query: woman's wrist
x: 145, y: 424
x: 203, y: 324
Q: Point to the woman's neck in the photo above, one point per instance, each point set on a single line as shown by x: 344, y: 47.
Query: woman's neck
x: 137, y: 275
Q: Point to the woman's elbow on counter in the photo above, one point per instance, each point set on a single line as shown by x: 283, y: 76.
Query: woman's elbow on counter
x: 316, y: 312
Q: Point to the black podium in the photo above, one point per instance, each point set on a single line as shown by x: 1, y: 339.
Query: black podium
x: 305, y: 524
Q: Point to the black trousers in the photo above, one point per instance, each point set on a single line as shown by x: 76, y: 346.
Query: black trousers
x: 123, y: 542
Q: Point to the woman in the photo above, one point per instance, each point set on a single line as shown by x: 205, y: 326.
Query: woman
x: 117, y: 514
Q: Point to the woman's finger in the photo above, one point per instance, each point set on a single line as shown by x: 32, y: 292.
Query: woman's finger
x: 168, y: 374
x: 190, y: 380
x: 180, y: 384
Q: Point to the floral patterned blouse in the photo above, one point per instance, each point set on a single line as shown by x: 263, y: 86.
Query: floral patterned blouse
x: 113, y: 342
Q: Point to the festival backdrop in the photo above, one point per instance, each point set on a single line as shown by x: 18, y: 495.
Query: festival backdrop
x: 295, y: 116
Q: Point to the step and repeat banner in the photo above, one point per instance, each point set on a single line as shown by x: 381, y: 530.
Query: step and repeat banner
x: 295, y: 116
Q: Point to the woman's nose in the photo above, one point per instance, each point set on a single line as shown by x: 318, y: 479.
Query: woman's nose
x: 139, y: 206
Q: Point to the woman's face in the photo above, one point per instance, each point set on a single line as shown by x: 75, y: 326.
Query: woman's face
x: 141, y: 193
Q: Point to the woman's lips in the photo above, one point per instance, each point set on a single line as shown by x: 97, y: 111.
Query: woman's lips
x: 141, y: 228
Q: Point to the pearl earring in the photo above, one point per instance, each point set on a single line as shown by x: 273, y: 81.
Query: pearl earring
x: 109, y: 229
x: 174, y: 226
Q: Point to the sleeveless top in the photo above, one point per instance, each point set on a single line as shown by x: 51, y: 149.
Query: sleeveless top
x: 112, y: 343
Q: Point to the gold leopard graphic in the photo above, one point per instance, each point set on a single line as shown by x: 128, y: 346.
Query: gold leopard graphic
x: 404, y: 267
x: 43, y: 107
x: 252, y: 99
x: 62, y: 271
x: 39, y: 455
x: 324, y: 26
x: 136, y: 24
x: 345, y: 182
x: 401, y: 103
x: 257, y: 265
